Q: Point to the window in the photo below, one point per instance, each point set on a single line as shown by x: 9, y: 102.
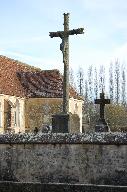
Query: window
x: 17, y: 115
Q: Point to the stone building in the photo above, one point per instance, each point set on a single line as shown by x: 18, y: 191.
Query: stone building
x: 29, y: 96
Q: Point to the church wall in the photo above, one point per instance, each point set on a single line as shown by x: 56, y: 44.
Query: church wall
x: 12, y: 101
x: 33, y: 112
x: 39, y: 111
x: 1, y: 115
x: 75, y: 107
x: 98, y: 158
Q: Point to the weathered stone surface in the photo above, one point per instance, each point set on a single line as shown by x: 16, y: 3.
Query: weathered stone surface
x: 64, y: 47
x: 60, y: 123
x: 101, y: 125
x: 64, y: 158
x: 39, y: 187
x: 65, y: 138
x: 65, y: 123
x: 74, y: 126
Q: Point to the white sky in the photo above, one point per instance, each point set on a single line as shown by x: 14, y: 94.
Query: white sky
x: 25, y: 27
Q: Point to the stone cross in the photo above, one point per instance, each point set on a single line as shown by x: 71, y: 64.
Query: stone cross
x: 102, y: 101
x: 64, y: 47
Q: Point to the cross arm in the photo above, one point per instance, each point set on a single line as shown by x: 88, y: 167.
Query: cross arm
x: 107, y: 101
x: 76, y: 31
x: 104, y: 101
x: 56, y: 34
x: 70, y: 32
x: 97, y: 101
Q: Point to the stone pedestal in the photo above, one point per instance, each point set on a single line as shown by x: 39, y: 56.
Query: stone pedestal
x: 60, y: 123
x: 65, y: 123
x: 101, y: 126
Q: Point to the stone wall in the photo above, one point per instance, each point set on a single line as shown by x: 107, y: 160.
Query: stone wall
x: 98, y: 158
x: 40, y: 187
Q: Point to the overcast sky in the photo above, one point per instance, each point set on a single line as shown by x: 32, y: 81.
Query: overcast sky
x: 25, y: 27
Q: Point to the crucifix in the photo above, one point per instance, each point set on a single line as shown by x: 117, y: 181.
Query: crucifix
x: 64, y: 47
x: 102, y: 125
x: 102, y: 101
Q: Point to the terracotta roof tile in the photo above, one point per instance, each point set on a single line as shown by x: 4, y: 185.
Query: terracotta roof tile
x: 9, y: 82
x: 41, y: 84
x: 19, y: 79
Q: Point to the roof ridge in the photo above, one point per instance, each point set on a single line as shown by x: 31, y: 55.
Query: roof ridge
x: 42, y: 71
x: 20, y: 63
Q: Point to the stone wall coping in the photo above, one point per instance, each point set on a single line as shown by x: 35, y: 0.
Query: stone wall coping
x: 112, y: 138
x: 58, y: 187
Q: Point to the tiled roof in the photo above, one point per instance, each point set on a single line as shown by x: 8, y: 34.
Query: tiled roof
x: 9, y: 82
x: 19, y: 79
x: 42, y: 84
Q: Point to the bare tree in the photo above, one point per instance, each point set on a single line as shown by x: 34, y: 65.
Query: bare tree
x: 86, y: 90
x: 95, y: 83
x: 102, y: 78
x: 71, y: 77
x: 111, y: 85
x: 80, y: 76
x: 117, y: 81
x: 123, y: 92
x: 90, y: 83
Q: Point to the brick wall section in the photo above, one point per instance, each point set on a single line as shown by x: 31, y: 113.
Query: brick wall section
x: 98, y: 158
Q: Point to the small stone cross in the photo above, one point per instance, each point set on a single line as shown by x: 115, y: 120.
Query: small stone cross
x: 102, y: 101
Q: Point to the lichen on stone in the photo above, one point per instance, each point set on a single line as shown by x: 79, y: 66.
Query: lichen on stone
x: 99, y: 138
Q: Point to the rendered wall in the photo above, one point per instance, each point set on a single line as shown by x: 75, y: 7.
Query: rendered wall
x: 12, y: 100
x: 64, y: 158
x: 39, y: 111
